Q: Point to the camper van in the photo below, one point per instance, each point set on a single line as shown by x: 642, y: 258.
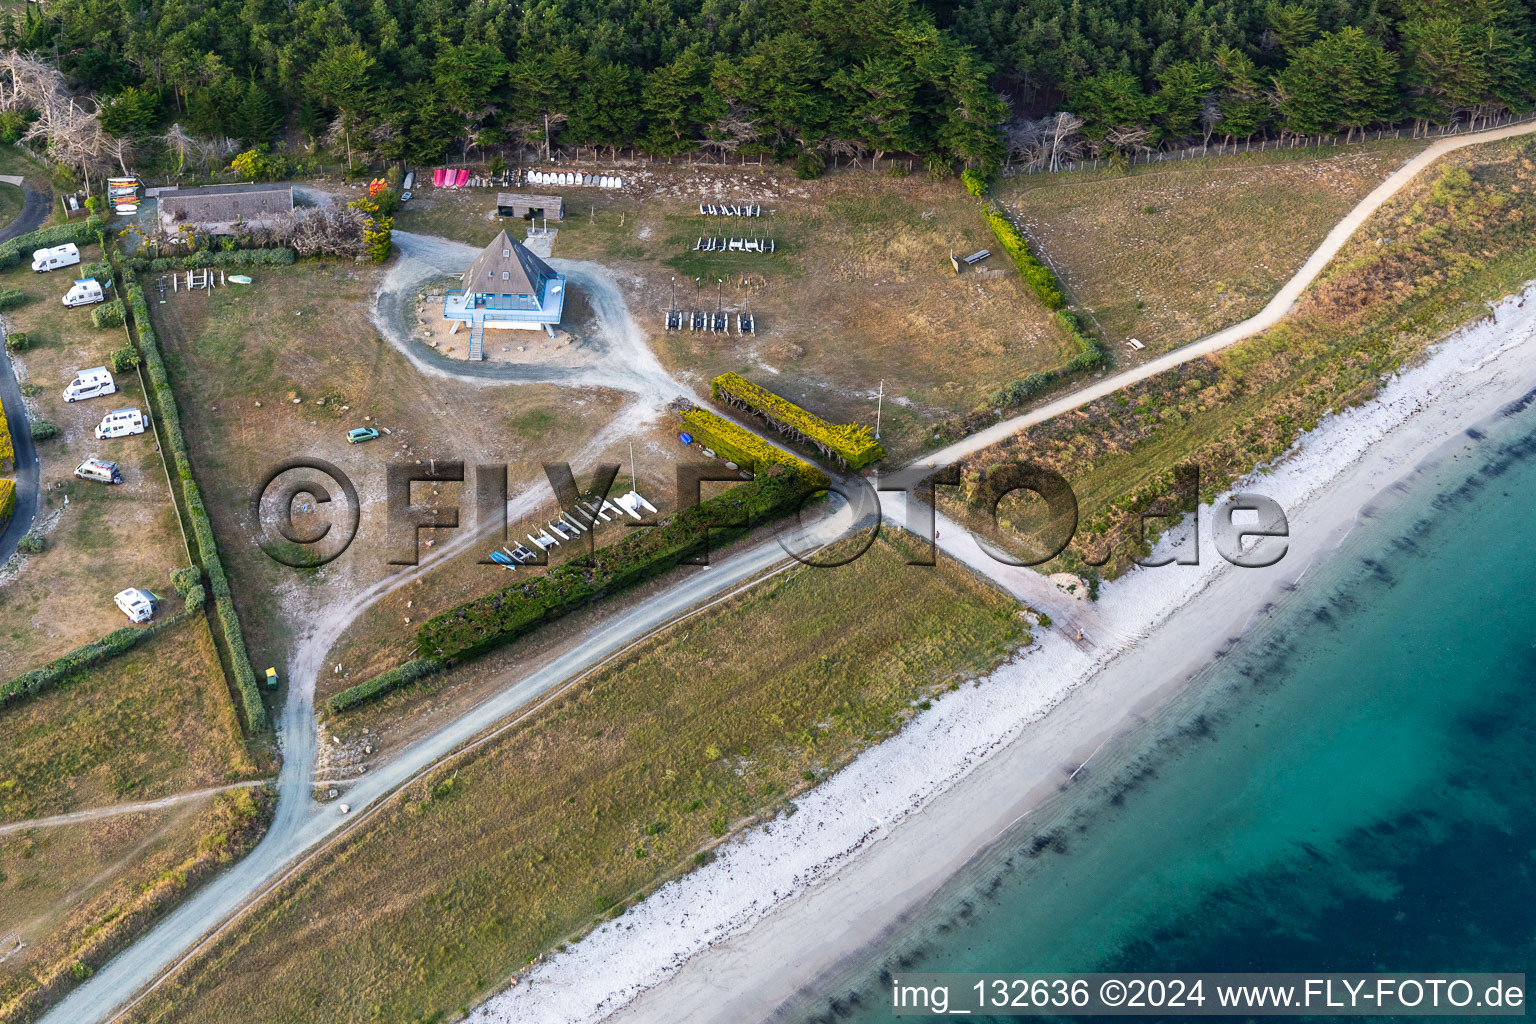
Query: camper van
x: 121, y: 423
x: 99, y: 469
x: 89, y: 384
x: 66, y: 255
x: 138, y: 605
x: 84, y: 293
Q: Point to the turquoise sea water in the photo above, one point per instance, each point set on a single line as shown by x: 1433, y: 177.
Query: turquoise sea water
x: 1351, y: 788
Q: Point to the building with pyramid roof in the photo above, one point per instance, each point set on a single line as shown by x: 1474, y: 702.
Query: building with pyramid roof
x: 506, y: 286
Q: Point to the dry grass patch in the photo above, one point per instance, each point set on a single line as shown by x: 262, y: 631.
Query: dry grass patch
x: 601, y: 795
x: 1177, y: 251
x: 859, y: 290
x: 153, y: 722
x: 100, y: 539
x: 76, y: 894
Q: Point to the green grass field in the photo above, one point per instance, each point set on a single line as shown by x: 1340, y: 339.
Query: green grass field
x: 616, y: 785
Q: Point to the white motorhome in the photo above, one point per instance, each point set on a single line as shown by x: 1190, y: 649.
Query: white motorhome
x: 99, y: 469
x: 89, y: 384
x: 121, y: 423
x: 66, y: 255
x: 84, y: 292
x: 137, y: 604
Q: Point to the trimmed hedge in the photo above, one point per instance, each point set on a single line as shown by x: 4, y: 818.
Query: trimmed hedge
x: 745, y: 448
x: 975, y: 183
x: 7, y: 501
x: 500, y: 617
x: 1090, y: 353
x: 164, y: 402
x: 81, y: 232
x: 121, y: 641
x: 108, y: 314
x: 1039, y: 276
x: 230, y: 259
x: 11, y: 298
x: 385, y: 682
x: 7, y: 447
x: 17, y: 341
x: 853, y: 445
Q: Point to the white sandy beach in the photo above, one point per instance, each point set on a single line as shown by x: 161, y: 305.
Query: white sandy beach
x: 784, y: 904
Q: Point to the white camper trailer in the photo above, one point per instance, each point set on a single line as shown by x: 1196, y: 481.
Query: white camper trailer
x: 89, y: 384
x: 66, y: 255
x: 121, y: 423
x: 84, y: 292
x: 138, y: 605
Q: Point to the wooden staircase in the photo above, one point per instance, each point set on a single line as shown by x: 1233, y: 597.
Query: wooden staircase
x: 477, y: 340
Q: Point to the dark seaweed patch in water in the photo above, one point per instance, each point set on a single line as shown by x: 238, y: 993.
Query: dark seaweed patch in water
x: 1519, y: 404
x: 1475, y: 434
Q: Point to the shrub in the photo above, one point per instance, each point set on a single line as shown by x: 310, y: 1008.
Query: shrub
x: 7, y: 501
x: 110, y: 314
x: 975, y: 183
x: 852, y: 445
x: 17, y: 341
x: 189, y: 584
x: 385, y: 682
x: 7, y: 450
x: 809, y: 165
x: 1037, y: 274
x: 31, y: 544
x: 504, y: 615
x: 10, y: 298
x: 30, y: 684
x: 1090, y: 353
x: 125, y: 359
x: 745, y: 448
x: 81, y: 232
x: 259, y: 166
x: 101, y: 270
x: 13, y: 124
x: 42, y: 430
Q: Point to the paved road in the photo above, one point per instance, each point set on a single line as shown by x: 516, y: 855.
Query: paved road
x: 28, y: 474
x: 300, y: 826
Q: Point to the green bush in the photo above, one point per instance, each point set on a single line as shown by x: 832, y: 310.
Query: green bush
x: 101, y: 270
x: 13, y: 124
x: 396, y: 678
x: 500, y: 617
x: 189, y: 584
x: 231, y: 259
x: 17, y: 341
x: 110, y: 314
x: 31, y: 544
x: 42, y: 430
x: 1090, y: 352
x: 852, y: 445
x: 81, y: 232
x: 809, y: 165
x: 1037, y: 274
x: 125, y: 359
x: 30, y: 684
x: 745, y: 448
x: 11, y: 298
x: 975, y: 183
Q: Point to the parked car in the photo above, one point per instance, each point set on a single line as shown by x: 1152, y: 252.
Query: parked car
x: 138, y: 605
x: 358, y: 435
x: 89, y: 384
x: 122, y: 423
x: 99, y: 469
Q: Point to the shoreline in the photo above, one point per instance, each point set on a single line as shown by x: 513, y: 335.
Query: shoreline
x: 959, y: 776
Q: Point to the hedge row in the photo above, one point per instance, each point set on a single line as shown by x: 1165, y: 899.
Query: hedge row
x: 164, y: 401
x: 232, y: 258
x: 7, y: 448
x: 1039, y: 276
x: 745, y: 448
x: 500, y: 617
x: 1090, y: 352
x: 121, y: 641
x: 22, y: 246
x: 7, y: 501
x: 396, y: 678
x: 108, y: 314
x: 854, y: 445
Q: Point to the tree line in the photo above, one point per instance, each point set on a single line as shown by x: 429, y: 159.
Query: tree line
x: 955, y: 82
